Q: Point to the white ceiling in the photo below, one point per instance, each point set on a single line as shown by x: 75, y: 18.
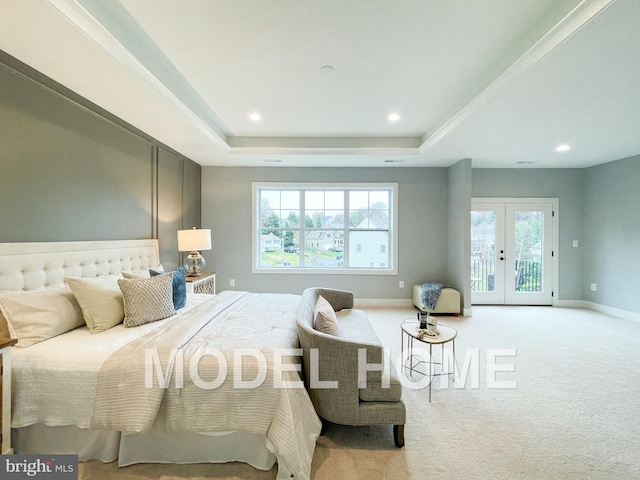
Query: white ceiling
x: 497, y: 81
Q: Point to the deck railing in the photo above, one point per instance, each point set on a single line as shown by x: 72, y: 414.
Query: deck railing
x: 527, y: 275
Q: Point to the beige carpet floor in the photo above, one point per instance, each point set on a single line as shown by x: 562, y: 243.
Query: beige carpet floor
x: 575, y: 413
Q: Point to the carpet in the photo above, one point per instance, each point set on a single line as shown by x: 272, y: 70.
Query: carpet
x: 574, y: 413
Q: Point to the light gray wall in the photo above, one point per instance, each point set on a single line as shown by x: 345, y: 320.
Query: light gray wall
x: 422, y: 212
x: 565, y: 184
x: 71, y: 171
x: 459, y: 242
x: 612, y: 234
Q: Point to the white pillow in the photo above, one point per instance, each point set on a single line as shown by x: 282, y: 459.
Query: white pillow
x: 100, y: 299
x: 325, y: 319
x: 141, y: 273
x: 136, y: 275
x: 41, y: 314
x: 147, y: 299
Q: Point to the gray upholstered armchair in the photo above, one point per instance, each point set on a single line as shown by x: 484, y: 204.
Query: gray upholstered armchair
x: 334, y: 358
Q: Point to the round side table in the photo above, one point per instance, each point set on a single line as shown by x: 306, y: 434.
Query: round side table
x: 411, y: 331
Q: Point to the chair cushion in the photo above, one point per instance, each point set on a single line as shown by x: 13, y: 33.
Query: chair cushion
x: 355, y: 326
x: 375, y: 393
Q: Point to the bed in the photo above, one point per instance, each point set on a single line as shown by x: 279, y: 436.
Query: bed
x: 217, y: 381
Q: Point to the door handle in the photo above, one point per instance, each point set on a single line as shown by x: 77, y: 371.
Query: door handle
x: 501, y: 258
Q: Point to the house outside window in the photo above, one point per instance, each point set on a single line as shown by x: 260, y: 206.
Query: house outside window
x: 325, y: 228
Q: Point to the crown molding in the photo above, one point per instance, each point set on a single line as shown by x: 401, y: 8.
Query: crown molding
x: 84, y: 21
x: 580, y: 16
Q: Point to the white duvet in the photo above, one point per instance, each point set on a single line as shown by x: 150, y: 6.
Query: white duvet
x: 55, y: 382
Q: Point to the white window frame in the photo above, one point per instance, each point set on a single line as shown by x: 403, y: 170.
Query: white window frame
x: 393, y: 230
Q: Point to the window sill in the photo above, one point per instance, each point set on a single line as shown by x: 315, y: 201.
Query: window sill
x: 325, y: 271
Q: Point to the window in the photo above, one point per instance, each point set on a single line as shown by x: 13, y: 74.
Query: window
x: 327, y: 228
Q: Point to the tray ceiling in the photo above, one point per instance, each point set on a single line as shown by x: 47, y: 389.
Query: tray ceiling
x: 503, y: 82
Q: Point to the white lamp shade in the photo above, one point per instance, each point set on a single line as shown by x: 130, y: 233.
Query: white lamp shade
x: 194, y: 240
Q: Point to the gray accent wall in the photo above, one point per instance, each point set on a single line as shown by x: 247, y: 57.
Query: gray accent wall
x: 422, y: 219
x: 71, y: 171
x: 612, y: 234
x: 565, y: 184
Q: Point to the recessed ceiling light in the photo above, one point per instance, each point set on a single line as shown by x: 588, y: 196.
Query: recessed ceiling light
x: 272, y: 160
x: 394, y: 117
x: 394, y: 161
x: 563, y: 148
x: 255, y: 117
x: 523, y: 162
x: 327, y: 69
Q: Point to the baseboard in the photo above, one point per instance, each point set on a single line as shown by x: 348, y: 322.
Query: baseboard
x: 392, y: 303
x: 571, y: 304
x: 382, y: 302
x: 467, y: 312
x: 614, y: 312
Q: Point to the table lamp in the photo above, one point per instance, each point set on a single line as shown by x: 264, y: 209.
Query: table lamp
x: 193, y: 241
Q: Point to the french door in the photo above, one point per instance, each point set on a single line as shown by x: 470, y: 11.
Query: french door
x: 512, y: 251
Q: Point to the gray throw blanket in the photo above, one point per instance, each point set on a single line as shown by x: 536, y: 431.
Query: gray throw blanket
x: 431, y: 293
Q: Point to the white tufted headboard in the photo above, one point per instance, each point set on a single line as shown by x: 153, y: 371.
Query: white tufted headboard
x: 33, y: 266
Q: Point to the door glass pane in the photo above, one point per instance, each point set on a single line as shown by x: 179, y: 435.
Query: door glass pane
x: 528, y: 251
x: 483, y: 251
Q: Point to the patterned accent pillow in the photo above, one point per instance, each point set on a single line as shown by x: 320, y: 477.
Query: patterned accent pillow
x: 179, y: 286
x: 325, y: 319
x: 146, y: 299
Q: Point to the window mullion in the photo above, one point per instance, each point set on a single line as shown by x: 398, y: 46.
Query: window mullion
x: 303, y: 233
x: 372, y: 255
x: 345, y: 248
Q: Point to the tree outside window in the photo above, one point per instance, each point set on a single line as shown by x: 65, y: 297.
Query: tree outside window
x: 324, y: 239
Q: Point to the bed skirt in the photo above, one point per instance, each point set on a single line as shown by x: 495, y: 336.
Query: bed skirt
x: 152, y: 447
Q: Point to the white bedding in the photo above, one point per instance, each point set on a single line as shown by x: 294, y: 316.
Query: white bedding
x: 54, y: 382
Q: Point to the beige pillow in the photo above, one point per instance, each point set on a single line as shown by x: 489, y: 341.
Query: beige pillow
x: 100, y: 299
x: 147, y: 299
x: 136, y: 275
x: 38, y: 315
x: 325, y: 319
x: 141, y: 273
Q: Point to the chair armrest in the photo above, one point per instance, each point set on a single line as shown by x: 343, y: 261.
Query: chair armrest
x: 338, y: 299
x: 338, y: 362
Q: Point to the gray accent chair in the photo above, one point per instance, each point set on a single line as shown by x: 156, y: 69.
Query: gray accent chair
x: 350, y: 403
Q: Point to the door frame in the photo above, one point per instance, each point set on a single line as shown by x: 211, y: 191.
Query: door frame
x: 555, y: 222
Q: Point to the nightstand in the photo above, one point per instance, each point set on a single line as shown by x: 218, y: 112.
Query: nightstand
x: 205, y: 283
x: 5, y: 394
